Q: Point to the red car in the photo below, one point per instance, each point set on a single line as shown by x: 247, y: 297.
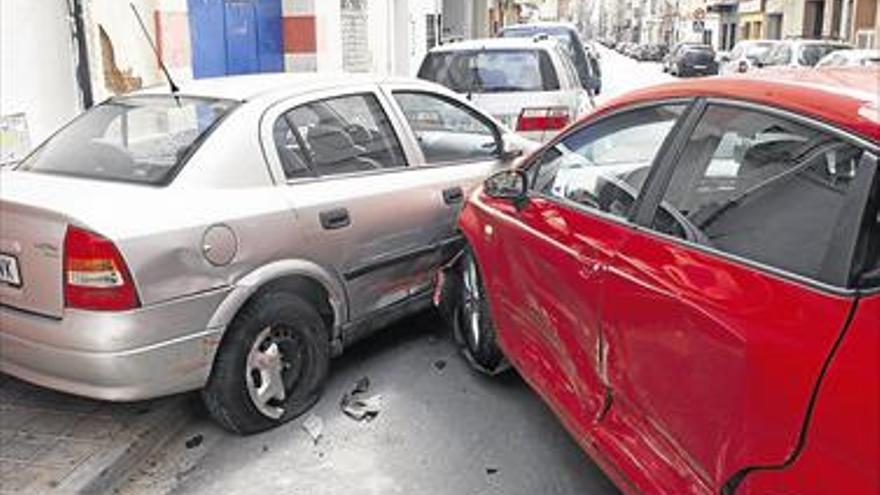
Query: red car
x: 690, y: 278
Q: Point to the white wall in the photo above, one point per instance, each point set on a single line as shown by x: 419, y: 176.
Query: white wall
x: 396, y: 40
x: 37, y: 69
x: 328, y: 35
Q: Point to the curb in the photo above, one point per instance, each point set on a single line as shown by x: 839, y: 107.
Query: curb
x: 107, y: 470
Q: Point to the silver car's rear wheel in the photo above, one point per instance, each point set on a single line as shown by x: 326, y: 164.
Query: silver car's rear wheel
x: 271, y: 365
x: 274, y: 365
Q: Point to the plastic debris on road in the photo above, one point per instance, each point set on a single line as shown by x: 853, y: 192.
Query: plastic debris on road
x: 356, y: 405
x: 314, y: 426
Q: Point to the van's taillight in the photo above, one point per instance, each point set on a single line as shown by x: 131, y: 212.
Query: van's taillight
x: 542, y: 119
x: 95, y: 275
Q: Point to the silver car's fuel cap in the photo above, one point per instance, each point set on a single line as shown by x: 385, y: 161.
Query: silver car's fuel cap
x: 219, y: 245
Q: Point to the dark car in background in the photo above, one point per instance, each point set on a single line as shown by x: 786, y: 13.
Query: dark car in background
x: 673, y: 52
x: 693, y: 60
x: 585, y: 61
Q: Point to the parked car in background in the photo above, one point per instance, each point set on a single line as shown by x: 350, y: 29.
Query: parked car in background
x: 585, y: 60
x: 233, y: 239
x: 744, y: 56
x: 800, y: 53
x: 654, y: 52
x: 850, y: 58
x: 530, y: 85
x: 690, y: 277
x: 673, y: 53
x: 693, y: 60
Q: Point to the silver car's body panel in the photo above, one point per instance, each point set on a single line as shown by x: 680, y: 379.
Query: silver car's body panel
x: 231, y: 193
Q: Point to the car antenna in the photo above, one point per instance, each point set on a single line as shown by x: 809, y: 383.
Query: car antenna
x: 174, y: 89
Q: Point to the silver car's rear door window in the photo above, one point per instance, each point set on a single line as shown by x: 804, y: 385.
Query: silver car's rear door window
x: 339, y: 135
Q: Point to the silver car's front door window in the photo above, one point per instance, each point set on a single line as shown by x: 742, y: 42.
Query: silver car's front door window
x: 460, y: 148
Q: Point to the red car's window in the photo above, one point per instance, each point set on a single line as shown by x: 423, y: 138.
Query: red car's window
x: 760, y: 187
x: 604, y: 165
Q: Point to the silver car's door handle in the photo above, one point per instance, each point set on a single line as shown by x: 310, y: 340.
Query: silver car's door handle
x: 335, y: 219
x: 453, y: 195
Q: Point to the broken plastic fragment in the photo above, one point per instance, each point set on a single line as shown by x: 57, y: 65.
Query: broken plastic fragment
x: 358, y: 407
x: 314, y: 426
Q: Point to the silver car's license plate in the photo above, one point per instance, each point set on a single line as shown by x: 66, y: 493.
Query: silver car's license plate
x: 700, y: 67
x: 9, y: 273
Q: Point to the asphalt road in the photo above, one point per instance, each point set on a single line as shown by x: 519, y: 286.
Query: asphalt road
x: 442, y: 429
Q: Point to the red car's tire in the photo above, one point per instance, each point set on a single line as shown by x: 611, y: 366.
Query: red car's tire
x: 472, y: 322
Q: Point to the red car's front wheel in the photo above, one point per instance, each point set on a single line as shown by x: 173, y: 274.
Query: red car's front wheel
x: 474, y: 329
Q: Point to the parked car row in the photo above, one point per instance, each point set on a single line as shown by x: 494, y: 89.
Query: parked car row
x: 793, y: 53
x: 643, y: 52
x: 693, y: 58
x: 753, y: 54
x: 689, y: 275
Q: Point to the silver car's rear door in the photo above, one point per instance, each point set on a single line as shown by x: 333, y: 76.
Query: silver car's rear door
x: 360, y: 205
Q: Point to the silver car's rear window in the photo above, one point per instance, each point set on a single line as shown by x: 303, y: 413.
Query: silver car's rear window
x: 143, y: 139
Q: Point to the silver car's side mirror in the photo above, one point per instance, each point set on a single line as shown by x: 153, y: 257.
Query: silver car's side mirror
x: 509, y: 149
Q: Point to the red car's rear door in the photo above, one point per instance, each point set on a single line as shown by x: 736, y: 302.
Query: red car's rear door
x: 719, y: 318
x: 544, y: 263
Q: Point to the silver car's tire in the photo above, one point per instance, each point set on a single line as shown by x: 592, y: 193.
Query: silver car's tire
x: 474, y: 330
x: 271, y: 365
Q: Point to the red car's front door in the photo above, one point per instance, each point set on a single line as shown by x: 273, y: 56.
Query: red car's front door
x: 546, y: 293
x: 718, y: 321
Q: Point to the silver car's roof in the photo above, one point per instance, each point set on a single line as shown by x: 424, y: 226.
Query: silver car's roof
x: 251, y: 86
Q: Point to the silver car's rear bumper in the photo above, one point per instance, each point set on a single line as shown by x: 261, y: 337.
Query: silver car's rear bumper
x: 150, y: 352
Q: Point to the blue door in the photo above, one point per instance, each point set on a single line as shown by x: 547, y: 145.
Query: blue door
x: 235, y: 37
x: 242, y: 56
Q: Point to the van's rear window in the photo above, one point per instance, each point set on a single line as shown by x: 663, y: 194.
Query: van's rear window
x: 142, y: 139
x: 491, y: 71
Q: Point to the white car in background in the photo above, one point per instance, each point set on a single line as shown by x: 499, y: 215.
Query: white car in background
x: 529, y: 84
x: 744, y: 55
x: 850, y: 58
x: 800, y: 53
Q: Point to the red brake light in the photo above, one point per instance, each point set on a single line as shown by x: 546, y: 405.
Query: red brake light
x: 542, y: 119
x: 95, y: 275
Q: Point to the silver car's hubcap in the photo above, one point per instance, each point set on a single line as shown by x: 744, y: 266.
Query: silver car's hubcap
x: 471, y: 303
x: 269, y: 370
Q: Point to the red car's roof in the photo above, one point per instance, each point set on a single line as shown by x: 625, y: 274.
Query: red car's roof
x: 846, y: 97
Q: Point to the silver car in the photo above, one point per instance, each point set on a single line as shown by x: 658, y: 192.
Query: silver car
x: 233, y: 237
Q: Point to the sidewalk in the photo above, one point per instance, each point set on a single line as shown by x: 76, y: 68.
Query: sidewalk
x: 55, y: 443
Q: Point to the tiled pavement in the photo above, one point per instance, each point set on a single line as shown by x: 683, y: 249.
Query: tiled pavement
x: 56, y: 443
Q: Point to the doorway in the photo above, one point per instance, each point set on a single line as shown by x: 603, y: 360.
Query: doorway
x: 235, y: 37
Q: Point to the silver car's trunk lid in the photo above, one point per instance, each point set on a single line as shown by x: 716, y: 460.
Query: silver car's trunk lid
x: 35, y: 211
x: 31, y: 249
